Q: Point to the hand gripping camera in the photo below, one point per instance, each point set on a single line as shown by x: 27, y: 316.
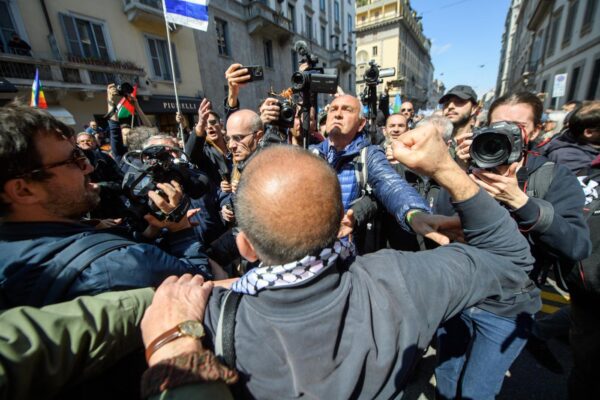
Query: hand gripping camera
x: 501, y: 143
x: 154, y: 165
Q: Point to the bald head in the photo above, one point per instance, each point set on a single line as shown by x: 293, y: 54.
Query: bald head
x: 288, y: 204
x: 244, y: 131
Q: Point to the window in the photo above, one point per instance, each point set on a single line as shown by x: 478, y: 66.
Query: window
x: 374, y: 50
x: 159, y: 59
x: 593, y: 87
x: 349, y: 26
x: 570, y: 23
x: 294, y: 61
x: 336, y: 11
x: 85, y: 38
x: 308, y: 27
x: 222, y: 37
x: 292, y: 16
x: 554, y: 25
x: 268, y: 48
x: 588, y: 17
x: 322, y: 5
x: 323, y: 37
x: 7, y: 26
x: 575, y: 75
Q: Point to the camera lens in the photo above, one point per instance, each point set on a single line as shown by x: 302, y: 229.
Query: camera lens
x: 287, y: 112
x: 298, y: 81
x: 490, y: 149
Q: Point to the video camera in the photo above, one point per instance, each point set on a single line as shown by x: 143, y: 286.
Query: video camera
x: 313, y: 79
x: 154, y: 165
x: 374, y: 74
x: 501, y: 143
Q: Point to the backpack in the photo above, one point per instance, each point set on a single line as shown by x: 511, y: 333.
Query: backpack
x: 53, y: 286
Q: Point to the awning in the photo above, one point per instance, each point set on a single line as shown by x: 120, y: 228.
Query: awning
x: 62, y: 114
x: 7, y: 87
x: 166, y: 104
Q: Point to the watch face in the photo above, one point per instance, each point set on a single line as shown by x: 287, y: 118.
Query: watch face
x: 192, y: 328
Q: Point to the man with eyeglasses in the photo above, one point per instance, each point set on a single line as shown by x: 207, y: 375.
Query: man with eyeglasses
x: 107, y: 176
x: 408, y: 110
x: 45, y: 189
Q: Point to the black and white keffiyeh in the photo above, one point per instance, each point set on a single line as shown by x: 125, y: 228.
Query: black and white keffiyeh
x: 294, y: 273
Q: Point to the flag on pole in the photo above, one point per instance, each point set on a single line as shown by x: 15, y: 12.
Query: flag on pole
x: 125, y: 109
x: 38, y: 99
x: 397, y: 105
x: 190, y: 13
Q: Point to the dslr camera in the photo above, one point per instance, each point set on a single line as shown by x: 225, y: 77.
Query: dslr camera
x: 125, y: 89
x: 500, y: 143
x: 154, y: 165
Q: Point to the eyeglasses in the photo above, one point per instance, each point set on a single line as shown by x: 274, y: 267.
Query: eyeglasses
x: 77, y: 157
x: 406, y: 110
x: 237, y: 138
x: 213, y: 121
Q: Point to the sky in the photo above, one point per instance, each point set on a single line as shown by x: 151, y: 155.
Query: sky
x: 466, y: 37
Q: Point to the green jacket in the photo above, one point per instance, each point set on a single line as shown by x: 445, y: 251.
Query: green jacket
x: 42, y: 349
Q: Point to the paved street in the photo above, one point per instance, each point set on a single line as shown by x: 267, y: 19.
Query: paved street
x: 526, y: 379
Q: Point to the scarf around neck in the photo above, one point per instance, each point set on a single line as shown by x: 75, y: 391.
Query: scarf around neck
x: 293, y: 273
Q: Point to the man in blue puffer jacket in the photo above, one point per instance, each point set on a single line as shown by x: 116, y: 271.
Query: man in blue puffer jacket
x: 342, y: 150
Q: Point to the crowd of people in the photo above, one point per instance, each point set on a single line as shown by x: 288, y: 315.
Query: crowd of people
x: 242, y: 265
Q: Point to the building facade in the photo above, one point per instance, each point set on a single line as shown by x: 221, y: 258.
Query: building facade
x: 79, y: 47
x: 554, y: 38
x: 264, y: 33
x: 390, y: 33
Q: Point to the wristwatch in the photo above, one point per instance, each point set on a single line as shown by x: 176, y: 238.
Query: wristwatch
x: 190, y: 328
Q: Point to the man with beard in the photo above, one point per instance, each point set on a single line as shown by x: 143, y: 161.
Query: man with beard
x: 48, y: 255
x: 460, y: 107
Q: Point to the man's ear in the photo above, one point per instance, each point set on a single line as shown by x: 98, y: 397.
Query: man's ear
x: 245, y: 247
x: 536, y: 132
x: 259, y: 134
x: 20, y: 191
x: 363, y: 122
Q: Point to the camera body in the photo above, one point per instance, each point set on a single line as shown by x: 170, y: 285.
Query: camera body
x: 287, y: 114
x: 501, y: 143
x: 148, y: 168
x: 374, y: 74
x: 125, y: 89
x: 314, y: 81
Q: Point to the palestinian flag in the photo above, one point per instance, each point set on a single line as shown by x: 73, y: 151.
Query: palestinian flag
x: 125, y: 109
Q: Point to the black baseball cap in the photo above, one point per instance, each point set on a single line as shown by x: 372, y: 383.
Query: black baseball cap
x: 461, y: 91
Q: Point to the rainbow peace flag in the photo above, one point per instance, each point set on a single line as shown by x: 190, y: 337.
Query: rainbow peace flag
x: 37, y: 93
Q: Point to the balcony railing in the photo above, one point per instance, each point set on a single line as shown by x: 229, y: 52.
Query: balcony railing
x: 144, y: 10
x: 262, y: 19
x: 69, y: 73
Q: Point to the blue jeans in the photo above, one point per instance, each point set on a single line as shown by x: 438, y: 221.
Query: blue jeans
x: 474, y: 351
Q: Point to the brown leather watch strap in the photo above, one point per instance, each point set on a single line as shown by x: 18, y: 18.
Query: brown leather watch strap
x: 161, y: 340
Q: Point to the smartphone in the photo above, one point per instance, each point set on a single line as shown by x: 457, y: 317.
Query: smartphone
x: 226, y: 176
x: 256, y: 73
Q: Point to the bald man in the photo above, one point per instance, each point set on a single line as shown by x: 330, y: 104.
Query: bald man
x: 313, y: 320
x: 363, y: 171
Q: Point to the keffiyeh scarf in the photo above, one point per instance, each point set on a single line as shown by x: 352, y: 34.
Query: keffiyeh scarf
x: 293, y: 273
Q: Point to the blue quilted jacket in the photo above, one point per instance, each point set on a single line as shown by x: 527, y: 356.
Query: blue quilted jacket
x: 393, y: 192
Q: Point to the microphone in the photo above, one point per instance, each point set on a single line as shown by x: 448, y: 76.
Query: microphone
x: 301, y: 47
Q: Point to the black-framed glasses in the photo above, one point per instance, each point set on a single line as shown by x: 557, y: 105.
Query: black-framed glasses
x: 77, y: 157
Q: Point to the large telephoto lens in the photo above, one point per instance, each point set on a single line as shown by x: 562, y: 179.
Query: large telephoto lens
x: 490, y: 149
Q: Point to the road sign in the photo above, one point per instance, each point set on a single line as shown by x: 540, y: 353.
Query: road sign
x: 560, y: 85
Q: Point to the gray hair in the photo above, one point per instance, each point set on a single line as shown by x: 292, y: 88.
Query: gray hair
x: 151, y: 141
x: 442, y: 123
x: 138, y: 136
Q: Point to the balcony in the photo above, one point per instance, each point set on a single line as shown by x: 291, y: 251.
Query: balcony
x: 69, y: 74
x: 144, y: 11
x: 341, y: 60
x: 262, y: 20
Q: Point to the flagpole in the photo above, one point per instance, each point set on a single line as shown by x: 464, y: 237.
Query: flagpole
x: 179, y: 129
